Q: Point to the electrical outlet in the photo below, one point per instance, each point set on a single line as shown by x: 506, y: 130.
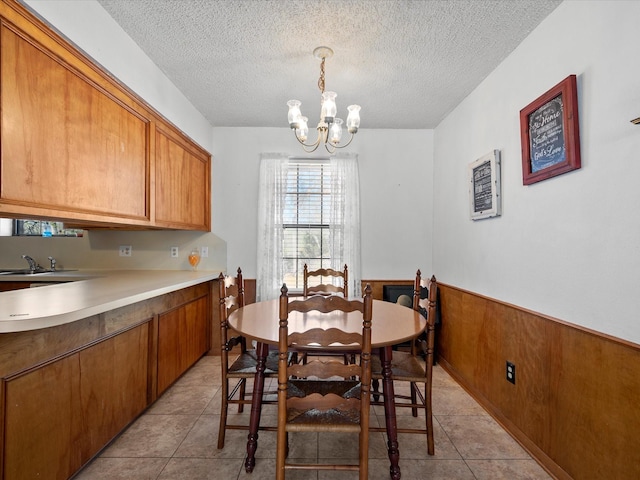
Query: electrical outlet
x: 511, y: 372
x: 174, y: 252
x: 125, y: 250
x: 204, y: 252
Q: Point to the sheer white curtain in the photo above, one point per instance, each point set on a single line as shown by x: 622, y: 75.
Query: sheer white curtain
x: 344, y: 222
x: 271, y: 189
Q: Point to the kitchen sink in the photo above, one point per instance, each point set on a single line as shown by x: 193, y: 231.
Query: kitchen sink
x: 26, y: 271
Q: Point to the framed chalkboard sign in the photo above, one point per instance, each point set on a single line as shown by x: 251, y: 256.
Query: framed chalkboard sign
x: 549, y: 133
x: 484, y: 186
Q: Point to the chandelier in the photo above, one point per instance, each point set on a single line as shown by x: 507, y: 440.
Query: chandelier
x: 329, y: 128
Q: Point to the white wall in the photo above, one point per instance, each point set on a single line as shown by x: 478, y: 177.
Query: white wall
x: 568, y: 247
x: 396, y: 169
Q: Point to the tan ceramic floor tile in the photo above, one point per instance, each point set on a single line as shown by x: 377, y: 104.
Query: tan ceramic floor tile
x: 453, y: 400
x: 507, y: 470
x: 414, y: 446
x: 202, y: 441
x: 183, y: 400
x: 203, y: 373
x: 152, y: 436
x: 480, y: 437
x: 123, y: 469
x: 435, y: 470
x: 266, y: 470
x: 200, y: 469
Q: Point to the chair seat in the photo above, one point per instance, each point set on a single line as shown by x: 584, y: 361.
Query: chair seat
x: 245, y: 364
x: 323, y: 405
x: 404, y: 366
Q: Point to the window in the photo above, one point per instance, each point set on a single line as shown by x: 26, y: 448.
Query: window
x: 306, y: 218
x: 308, y: 212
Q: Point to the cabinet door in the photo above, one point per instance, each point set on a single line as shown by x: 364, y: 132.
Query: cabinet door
x: 183, y: 337
x: 182, y: 183
x: 58, y: 416
x: 43, y: 422
x: 70, y: 148
x: 113, y: 387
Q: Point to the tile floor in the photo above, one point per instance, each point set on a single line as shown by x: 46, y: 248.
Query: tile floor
x: 177, y: 438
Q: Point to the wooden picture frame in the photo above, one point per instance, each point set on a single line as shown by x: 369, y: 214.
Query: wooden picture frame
x: 484, y: 186
x: 549, y: 133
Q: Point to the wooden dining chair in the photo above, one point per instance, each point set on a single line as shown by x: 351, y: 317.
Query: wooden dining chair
x: 323, y: 401
x: 325, y: 281
x: 409, y: 366
x: 329, y: 282
x: 244, y: 366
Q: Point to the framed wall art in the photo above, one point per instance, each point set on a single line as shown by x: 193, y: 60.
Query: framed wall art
x: 484, y: 186
x: 549, y: 133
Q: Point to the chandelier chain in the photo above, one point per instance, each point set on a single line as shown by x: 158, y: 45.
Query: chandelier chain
x: 321, y: 79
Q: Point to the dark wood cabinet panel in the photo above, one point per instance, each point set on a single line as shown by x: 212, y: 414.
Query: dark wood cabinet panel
x: 183, y: 337
x: 182, y: 183
x: 113, y: 387
x: 67, y: 144
x: 42, y: 422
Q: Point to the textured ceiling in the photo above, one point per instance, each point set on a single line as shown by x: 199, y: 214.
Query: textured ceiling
x: 408, y: 63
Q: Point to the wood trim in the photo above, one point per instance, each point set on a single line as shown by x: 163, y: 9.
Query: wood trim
x: 152, y: 374
x: 574, y: 406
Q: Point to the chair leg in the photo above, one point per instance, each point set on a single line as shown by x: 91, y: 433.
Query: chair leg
x: 375, y: 387
x: 414, y: 398
x: 223, y: 413
x: 282, y: 450
x: 243, y: 388
x: 429, y: 415
x: 286, y: 453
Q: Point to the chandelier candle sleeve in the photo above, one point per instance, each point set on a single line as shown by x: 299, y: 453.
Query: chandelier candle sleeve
x: 353, y: 120
x: 336, y: 131
x: 329, y: 108
x: 294, y: 112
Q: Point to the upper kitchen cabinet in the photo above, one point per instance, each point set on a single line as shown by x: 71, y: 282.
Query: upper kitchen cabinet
x: 78, y: 146
x: 182, y: 183
x: 69, y: 148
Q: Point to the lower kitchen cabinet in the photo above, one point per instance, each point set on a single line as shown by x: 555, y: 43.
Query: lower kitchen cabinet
x: 62, y: 413
x: 67, y: 391
x: 183, y: 335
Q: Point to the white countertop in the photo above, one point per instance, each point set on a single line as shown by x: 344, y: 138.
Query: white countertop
x: 86, y: 293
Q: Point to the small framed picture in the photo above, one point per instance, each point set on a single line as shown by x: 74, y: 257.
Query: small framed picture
x: 484, y: 186
x: 549, y: 133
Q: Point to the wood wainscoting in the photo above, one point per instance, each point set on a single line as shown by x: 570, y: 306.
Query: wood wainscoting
x: 575, y: 405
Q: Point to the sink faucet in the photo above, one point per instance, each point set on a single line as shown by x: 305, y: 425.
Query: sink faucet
x: 53, y: 263
x: 33, y: 265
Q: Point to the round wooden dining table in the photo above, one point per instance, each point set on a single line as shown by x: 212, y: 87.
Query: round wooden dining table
x: 391, y: 324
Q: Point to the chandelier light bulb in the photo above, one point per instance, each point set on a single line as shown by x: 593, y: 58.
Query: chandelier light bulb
x: 294, y: 112
x: 302, y: 130
x: 336, y: 131
x: 329, y: 108
x: 353, y: 120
